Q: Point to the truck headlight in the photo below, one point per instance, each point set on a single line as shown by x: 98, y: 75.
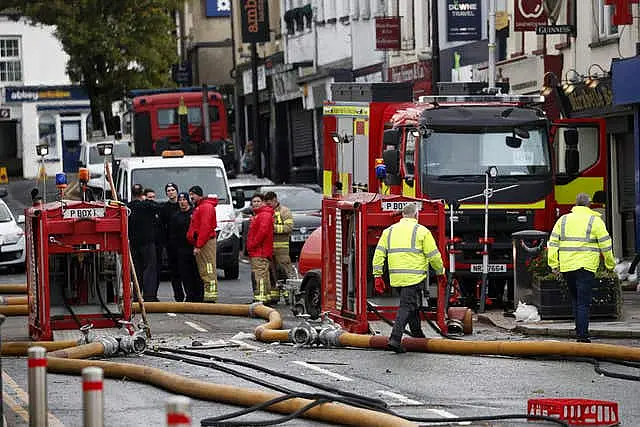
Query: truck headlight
x: 228, y: 229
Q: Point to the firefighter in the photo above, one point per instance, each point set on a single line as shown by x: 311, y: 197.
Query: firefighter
x: 282, y: 227
x: 409, y: 249
x: 143, y: 242
x: 260, y: 248
x: 574, y: 248
x: 167, y: 210
x: 184, y: 260
x: 202, y: 235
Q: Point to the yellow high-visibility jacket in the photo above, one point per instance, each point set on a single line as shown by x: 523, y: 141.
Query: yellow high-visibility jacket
x: 577, y: 240
x: 282, y: 226
x: 409, y: 249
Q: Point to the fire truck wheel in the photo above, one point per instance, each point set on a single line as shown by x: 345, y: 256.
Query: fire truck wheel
x: 312, y: 297
x: 232, y: 271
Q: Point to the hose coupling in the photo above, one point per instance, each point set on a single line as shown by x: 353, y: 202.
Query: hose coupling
x: 135, y: 343
x: 455, y: 327
x: 329, y: 336
x: 110, y: 345
x: 303, y: 334
x: 253, y: 307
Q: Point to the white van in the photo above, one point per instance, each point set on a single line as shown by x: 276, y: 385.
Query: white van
x: 208, y: 172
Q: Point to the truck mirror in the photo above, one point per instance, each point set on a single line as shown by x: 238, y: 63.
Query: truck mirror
x: 238, y: 199
x: 391, y: 137
x: 571, y: 137
x: 391, y: 159
x: 513, y: 141
x: 572, y: 161
x: 521, y: 133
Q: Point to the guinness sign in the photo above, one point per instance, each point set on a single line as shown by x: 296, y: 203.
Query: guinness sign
x: 254, y: 21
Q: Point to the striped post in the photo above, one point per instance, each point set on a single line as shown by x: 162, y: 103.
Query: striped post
x: 37, y: 364
x: 92, y: 397
x: 178, y: 411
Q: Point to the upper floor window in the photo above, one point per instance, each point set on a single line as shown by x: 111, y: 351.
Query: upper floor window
x: 605, y: 25
x: 10, y: 60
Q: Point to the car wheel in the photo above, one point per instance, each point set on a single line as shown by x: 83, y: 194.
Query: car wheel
x: 232, y: 271
x: 312, y: 297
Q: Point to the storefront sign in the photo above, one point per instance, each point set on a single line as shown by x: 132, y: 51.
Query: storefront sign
x: 464, y: 20
x: 388, y: 33
x: 585, y: 101
x: 528, y: 15
x: 44, y: 93
x: 554, y: 29
x: 418, y: 72
x: 254, y: 16
x: 218, y: 8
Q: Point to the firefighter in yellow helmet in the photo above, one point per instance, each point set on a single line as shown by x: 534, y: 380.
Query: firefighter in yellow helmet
x: 282, y: 228
x: 409, y: 249
x: 576, y: 243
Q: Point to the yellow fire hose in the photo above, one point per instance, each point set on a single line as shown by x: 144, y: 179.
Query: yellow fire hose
x: 18, y: 288
x: 14, y: 300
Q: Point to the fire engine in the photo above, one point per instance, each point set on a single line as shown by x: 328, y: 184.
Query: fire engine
x: 443, y: 148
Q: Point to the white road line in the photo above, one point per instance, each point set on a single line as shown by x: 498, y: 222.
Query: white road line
x: 400, y: 398
x: 24, y: 397
x: 195, y: 326
x: 323, y: 371
x: 445, y: 414
x: 171, y: 314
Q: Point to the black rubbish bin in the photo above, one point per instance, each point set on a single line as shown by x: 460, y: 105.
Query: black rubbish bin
x: 526, y: 244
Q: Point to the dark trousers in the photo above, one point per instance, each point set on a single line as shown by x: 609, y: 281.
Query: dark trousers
x: 580, y: 284
x: 408, y: 312
x: 189, y: 276
x: 146, y: 265
x: 174, y: 273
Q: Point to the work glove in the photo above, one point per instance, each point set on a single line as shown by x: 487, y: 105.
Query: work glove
x: 380, y: 285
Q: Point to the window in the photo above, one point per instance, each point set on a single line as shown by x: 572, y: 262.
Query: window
x: 407, y: 25
x: 169, y: 116
x: 210, y: 178
x: 330, y: 10
x: 365, y: 9
x: 10, y: 62
x: 409, y: 153
x: 604, y: 25
x: 588, y: 146
x: 47, y: 134
x: 119, y: 151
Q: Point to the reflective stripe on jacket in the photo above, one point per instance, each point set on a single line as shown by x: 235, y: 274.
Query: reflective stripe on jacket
x: 577, y: 240
x: 409, y: 249
x: 282, y: 226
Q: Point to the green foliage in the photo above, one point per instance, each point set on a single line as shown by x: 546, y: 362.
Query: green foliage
x: 539, y: 268
x: 113, y: 45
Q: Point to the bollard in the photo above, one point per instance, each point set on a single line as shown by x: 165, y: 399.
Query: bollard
x: 92, y: 397
x: 178, y: 411
x: 38, y: 410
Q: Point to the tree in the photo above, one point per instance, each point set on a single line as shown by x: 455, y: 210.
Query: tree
x: 113, y: 45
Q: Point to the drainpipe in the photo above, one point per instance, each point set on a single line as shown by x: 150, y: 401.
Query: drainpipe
x: 492, y: 46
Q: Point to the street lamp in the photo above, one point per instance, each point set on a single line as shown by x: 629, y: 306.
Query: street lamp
x: 42, y: 150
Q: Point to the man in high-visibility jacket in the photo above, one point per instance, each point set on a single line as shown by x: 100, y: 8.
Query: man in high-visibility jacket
x: 577, y: 241
x: 409, y: 249
x: 282, y: 228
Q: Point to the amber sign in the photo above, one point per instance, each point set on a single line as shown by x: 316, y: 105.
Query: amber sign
x: 254, y: 16
x: 388, y: 33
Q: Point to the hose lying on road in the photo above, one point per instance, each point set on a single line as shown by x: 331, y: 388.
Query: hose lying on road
x: 14, y: 300
x: 13, y: 288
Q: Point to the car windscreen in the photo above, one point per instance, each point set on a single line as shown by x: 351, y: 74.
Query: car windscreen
x: 119, y: 151
x: 210, y: 178
x: 298, y: 199
x: 5, y: 215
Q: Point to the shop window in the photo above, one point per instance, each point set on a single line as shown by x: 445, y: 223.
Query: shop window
x: 588, y: 148
x: 604, y: 24
x: 47, y: 134
x: 10, y: 60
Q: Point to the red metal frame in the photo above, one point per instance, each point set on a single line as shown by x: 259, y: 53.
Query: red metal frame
x: 370, y: 221
x: 49, y: 233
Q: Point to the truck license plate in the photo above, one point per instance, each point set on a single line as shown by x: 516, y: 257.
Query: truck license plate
x: 398, y: 206
x: 492, y: 268
x: 84, y: 213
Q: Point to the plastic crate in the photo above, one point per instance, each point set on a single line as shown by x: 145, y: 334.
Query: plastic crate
x: 579, y: 412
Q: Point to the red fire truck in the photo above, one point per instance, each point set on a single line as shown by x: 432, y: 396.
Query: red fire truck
x: 155, y: 118
x: 442, y: 148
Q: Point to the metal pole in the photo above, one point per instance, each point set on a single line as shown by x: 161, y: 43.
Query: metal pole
x: 92, y: 397
x: 178, y: 411
x: 257, y: 141
x: 2, y: 319
x: 44, y: 180
x: 492, y: 45
x: 435, y: 48
x: 485, y: 249
x: 37, y: 364
x: 205, y: 113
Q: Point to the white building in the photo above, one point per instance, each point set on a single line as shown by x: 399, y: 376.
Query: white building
x: 38, y: 104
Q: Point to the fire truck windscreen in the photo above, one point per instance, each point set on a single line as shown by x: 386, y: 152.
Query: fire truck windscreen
x: 451, y: 155
x: 211, y: 179
x: 169, y: 116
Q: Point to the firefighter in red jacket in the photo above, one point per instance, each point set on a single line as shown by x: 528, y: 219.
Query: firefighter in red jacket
x: 260, y: 248
x: 202, y: 235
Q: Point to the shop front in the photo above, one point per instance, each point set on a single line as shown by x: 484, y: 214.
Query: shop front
x: 51, y: 115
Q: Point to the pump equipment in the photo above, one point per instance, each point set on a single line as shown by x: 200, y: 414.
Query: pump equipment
x: 78, y: 270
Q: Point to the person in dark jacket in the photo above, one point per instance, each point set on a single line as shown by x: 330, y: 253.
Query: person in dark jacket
x: 260, y: 248
x: 185, y: 260
x: 202, y: 235
x: 167, y: 210
x: 142, y: 239
x: 150, y: 194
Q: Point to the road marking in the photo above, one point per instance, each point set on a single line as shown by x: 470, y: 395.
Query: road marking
x: 400, y: 398
x: 171, y: 314
x: 195, y: 326
x: 446, y: 414
x: 15, y: 407
x: 323, y: 371
x: 24, y: 397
